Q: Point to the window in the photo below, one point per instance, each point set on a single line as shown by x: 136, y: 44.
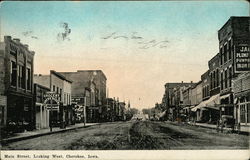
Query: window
x: 21, y: 77
x: 60, y: 94
x: 69, y: 98
x: 229, y: 49
x: 221, y: 56
x: 28, y: 77
x: 225, y: 53
x: 211, y: 80
x: 248, y: 112
x: 230, y: 76
x: 221, y: 80
x: 64, y: 98
x: 54, y: 88
x: 13, y: 72
x: 225, y: 79
x: 242, y: 113
x: 217, y: 77
x: 57, y: 90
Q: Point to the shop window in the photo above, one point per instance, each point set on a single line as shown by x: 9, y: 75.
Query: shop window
x: 13, y: 72
x: 242, y: 113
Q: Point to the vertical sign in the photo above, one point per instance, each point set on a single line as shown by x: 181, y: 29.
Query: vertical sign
x: 242, y: 58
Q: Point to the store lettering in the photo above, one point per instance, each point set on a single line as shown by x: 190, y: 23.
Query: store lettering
x: 245, y: 49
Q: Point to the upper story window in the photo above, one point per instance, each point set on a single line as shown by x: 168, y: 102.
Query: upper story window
x: 221, y: 81
x: 28, y: 77
x: 13, y: 72
x: 221, y: 56
x: 21, y: 76
x: 225, y: 53
x: 230, y: 49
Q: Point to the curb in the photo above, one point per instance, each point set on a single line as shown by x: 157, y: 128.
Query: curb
x: 15, y: 139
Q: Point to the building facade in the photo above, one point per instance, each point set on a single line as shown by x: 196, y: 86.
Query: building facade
x: 62, y: 113
x: 89, y: 89
x: 42, y: 114
x: 234, y: 40
x: 241, y: 89
x: 16, y: 88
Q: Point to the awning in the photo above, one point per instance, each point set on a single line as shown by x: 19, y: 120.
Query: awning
x: 225, y: 96
x: 202, y: 104
x: 212, y: 102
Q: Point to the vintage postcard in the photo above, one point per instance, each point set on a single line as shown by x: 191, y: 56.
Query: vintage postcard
x: 125, y: 80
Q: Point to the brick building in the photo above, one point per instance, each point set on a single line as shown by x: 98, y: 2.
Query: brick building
x: 89, y: 88
x: 16, y: 87
x: 234, y: 41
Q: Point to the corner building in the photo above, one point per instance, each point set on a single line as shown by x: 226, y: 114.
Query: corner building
x: 234, y: 42
x: 16, y: 98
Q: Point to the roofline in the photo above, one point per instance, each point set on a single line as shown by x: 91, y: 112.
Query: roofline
x: 42, y: 86
x: 60, y: 76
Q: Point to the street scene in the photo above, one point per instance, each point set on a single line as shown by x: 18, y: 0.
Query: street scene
x: 125, y: 76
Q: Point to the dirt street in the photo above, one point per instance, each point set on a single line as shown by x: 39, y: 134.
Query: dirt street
x: 135, y: 135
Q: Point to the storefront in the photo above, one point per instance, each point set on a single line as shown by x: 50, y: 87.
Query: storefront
x: 20, y: 114
x: 241, y: 87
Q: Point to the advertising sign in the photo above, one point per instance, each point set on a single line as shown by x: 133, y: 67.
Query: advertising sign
x: 242, y: 58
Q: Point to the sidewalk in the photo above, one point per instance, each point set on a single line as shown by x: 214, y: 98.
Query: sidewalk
x: 213, y: 126
x: 42, y: 132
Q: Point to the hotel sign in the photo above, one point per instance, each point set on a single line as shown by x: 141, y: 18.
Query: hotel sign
x: 242, y: 58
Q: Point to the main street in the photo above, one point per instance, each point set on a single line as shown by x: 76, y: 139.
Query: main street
x: 134, y: 135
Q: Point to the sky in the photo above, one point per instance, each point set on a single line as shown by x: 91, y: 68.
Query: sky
x: 139, y: 45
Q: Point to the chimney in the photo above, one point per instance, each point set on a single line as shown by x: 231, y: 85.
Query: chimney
x: 17, y: 40
x: 181, y: 81
x: 191, y: 82
x: 7, y: 37
x: 26, y: 46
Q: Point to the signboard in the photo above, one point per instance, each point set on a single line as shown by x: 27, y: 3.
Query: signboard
x: 242, y: 58
x: 52, y: 107
x: 50, y: 97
